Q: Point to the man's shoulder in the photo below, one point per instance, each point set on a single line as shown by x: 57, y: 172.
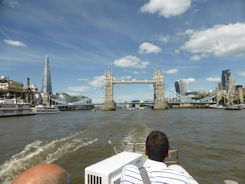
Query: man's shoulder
x: 130, y: 168
x: 167, y: 174
x: 130, y: 174
x: 178, y: 173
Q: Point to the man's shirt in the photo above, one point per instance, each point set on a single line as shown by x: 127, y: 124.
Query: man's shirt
x: 158, y: 173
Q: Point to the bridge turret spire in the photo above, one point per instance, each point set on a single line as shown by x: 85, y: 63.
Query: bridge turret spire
x: 108, y: 72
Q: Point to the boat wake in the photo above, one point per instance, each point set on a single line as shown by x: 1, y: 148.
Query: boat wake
x: 137, y: 134
x: 41, y: 152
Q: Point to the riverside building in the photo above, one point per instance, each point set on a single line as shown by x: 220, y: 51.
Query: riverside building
x: 181, y: 86
x: 46, y: 90
x: 224, y: 79
x: 10, y: 88
x: 46, y: 83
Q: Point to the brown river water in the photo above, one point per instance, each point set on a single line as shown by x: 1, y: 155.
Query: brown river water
x: 211, y: 142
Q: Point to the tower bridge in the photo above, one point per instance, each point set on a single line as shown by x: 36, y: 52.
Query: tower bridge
x: 105, y: 95
x: 158, y: 88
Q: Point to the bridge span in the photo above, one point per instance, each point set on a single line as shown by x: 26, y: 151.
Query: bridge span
x: 133, y: 82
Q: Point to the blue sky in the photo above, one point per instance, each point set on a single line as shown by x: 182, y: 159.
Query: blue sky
x: 185, y: 39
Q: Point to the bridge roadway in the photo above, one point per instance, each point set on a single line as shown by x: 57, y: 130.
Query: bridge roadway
x: 133, y: 82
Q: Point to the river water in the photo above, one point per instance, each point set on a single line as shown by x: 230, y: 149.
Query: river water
x: 211, y: 143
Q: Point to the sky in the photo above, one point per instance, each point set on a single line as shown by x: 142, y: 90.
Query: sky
x: 185, y: 39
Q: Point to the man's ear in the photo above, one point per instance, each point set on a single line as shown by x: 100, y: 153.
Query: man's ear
x: 168, y: 155
x: 145, y: 152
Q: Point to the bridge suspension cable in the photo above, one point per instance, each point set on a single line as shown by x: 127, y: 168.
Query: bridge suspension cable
x: 184, y: 99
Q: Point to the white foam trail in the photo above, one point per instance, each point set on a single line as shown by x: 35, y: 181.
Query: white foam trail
x: 41, y: 152
x: 27, y: 149
x: 16, y: 162
x: 67, y: 148
x: 128, y: 139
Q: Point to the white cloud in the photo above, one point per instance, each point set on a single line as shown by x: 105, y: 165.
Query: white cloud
x: 10, y: 3
x: 198, y: 57
x: 149, y: 48
x: 241, y: 73
x: 189, y: 31
x: 191, y: 80
x: 213, y: 79
x: 163, y: 39
x: 220, y: 40
x: 195, y: 58
x: 79, y: 88
x: 171, y: 71
x: 131, y: 62
x: 14, y: 43
x: 97, y: 82
x: 177, y: 51
x: 166, y: 8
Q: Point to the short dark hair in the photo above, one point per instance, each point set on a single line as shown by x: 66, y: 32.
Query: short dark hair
x: 157, y: 146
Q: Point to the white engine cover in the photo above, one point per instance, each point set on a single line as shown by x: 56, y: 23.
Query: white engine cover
x: 108, y: 171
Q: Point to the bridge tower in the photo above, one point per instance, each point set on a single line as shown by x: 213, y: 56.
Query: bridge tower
x: 109, y: 104
x: 159, y: 102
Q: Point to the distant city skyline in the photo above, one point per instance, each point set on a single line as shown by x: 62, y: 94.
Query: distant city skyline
x: 196, y: 40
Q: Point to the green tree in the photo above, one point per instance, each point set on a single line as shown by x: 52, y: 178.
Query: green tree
x: 222, y: 101
x: 198, y: 98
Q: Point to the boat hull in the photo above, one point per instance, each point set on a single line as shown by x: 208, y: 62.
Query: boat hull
x: 8, y: 114
x: 46, y: 110
x: 12, y: 107
x: 236, y: 108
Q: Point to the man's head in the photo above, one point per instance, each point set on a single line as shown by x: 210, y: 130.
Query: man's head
x: 157, y: 146
x: 43, y: 174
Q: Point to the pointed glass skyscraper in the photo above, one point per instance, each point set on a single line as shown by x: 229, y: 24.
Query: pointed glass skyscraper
x: 46, y: 83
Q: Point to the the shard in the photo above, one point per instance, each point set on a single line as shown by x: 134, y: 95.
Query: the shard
x: 46, y: 83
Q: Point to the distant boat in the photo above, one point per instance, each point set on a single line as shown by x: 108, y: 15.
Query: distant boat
x: 215, y: 106
x: 233, y: 107
x: 42, y: 109
x: 242, y: 106
x: 14, y: 107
